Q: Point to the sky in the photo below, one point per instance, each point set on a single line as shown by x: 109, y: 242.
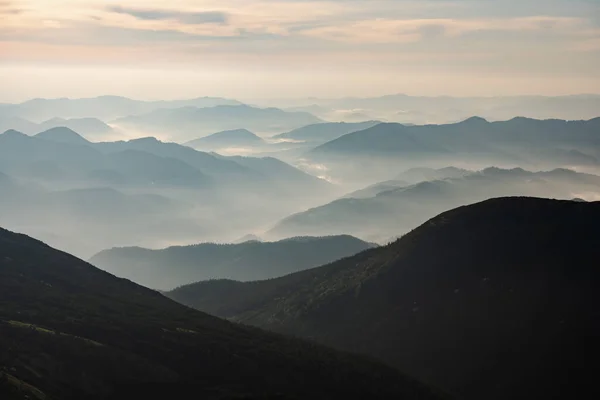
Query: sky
x: 259, y: 49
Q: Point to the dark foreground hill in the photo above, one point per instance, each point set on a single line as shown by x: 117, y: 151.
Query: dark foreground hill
x: 71, y: 331
x: 494, y: 300
x: 253, y: 260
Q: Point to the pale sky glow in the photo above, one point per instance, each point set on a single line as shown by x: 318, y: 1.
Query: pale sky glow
x: 290, y: 48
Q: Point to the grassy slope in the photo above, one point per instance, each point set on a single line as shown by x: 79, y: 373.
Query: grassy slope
x: 70, y: 331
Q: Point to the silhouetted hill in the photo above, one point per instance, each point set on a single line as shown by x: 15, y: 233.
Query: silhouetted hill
x: 390, y: 208
x: 71, y: 331
x: 62, y: 135
x: 494, y: 300
x: 231, y: 138
x: 324, y: 132
x: 187, y: 122
x: 250, y: 260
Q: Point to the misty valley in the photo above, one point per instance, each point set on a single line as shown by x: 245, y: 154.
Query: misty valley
x: 246, y: 251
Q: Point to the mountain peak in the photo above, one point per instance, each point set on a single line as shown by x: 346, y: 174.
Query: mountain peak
x: 13, y: 133
x: 232, y: 137
x: 62, y: 134
x: 475, y: 120
x: 147, y: 139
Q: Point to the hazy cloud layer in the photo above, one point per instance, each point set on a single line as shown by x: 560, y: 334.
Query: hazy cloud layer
x: 406, y: 41
x: 192, y: 18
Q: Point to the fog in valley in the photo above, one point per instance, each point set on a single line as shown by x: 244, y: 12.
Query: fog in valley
x: 90, y: 174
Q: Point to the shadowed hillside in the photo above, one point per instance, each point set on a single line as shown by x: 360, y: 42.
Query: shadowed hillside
x: 71, y: 331
x: 494, y: 300
x: 176, y: 266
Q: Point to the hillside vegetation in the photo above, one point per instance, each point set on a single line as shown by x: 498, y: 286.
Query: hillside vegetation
x: 71, y: 331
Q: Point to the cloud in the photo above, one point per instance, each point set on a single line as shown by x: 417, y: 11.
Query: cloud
x: 382, y: 30
x: 9, y: 8
x: 191, y: 18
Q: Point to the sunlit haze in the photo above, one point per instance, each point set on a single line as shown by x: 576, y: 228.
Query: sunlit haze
x: 254, y: 49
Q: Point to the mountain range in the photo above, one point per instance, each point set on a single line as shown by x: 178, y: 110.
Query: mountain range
x: 91, y: 128
x: 70, y: 331
x: 472, y: 135
x: 364, y: 156
x: 66, y: 152
x: 395, y: 207
x: 105, y: 108
x: 187, y: 123
x: 493, y: 300
x: 323, y: 132
x: 203, y: 196
x: 447, y: 109
x: 176, y: 266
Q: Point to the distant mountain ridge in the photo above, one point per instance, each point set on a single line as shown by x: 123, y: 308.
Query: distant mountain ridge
x: 90, y: 127
x: 188, y: 122
x: 250, y: 260
x: 393, y: 207
x: 421, y: 110
x: 201, y: 192
x: 71, y: 153
x: 493, y: 300
x: 230, y: 138
x: 102, y: 107
x: 324, y: 132
x: 472, y: 135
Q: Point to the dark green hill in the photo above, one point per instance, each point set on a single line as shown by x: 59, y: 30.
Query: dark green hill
x: 180, y: 265
x: 71, y: 331
x: 494, y: 300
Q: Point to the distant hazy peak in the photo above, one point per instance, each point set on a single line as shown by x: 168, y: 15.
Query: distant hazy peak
x: 13, y: 133
x: 62, y: 134
x: 147, y: 139
x: 475, y: 120
x: 228, y: 137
